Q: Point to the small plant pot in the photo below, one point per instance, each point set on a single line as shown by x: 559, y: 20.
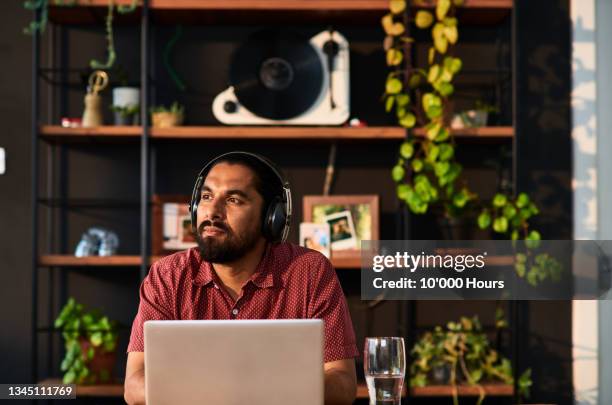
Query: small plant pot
x: 122, y: 119
x: 101, y: 366
x: 124, y: 96
x: 166, y: 119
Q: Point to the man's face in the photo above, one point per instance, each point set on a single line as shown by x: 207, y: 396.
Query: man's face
x: 229, y: 213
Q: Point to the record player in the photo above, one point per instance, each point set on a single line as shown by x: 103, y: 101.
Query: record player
x: 279, y: 78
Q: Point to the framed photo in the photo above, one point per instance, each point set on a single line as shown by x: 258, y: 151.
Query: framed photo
x: 316, y: 237
x: 171, y: 225
x: 350, y: 218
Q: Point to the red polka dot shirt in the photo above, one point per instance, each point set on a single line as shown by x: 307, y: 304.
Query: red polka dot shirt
x: 290, y: 282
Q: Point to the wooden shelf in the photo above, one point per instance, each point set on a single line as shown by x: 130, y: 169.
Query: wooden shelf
x: 100, y: 390
x: 127, y: 261
x: 265, y: 11
x: 491, y: 390
x: 61, y: 134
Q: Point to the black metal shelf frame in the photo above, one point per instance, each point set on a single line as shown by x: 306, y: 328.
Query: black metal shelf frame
x: 407, y: 313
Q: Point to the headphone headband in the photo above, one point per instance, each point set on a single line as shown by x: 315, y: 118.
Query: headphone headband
x: 277, y: 220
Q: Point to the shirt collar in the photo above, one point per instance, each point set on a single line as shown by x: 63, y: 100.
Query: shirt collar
x: 263, y: 277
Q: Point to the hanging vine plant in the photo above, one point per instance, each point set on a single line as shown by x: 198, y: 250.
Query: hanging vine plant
x: 40, y: 24
x: 427, y: 172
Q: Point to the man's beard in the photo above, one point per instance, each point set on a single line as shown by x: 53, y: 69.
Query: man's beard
x: 231, y: 248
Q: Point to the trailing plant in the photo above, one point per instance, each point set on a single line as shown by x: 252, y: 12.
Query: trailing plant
x: 111, y: 55
x: 465, y: 351
x: 427, y: 172
x: 42, y: 6
x: 76, y: 325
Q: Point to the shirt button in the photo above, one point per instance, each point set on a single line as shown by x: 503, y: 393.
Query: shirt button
x: 235, y: 311
x: 216, y: 286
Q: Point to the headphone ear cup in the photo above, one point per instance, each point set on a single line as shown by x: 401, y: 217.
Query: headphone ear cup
x: 275, y: 221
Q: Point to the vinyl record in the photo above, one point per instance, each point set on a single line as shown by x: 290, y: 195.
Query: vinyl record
x: 276, y: 74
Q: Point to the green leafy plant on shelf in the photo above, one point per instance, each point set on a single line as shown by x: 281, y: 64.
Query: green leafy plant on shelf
x: 427, y: 172
x: 163, y: 117
x: 462, y: 354
x: 40, y: 24
x: 90, y: 342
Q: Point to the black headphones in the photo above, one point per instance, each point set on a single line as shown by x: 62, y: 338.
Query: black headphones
x: 277, y: 216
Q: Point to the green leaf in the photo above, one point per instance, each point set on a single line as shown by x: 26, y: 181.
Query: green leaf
x: 69, y: 377
x: 450, y: 21
x: 431, y: 100
x: 389, y: 103
x: 90, y: 353
x: 441, y: 168
x: 397, y: 6
x: 434, y: 72
x: 460, y: 199
x: 500, y: 224
x: 431, y: 55
x: 522, y: 200
x: 417, y: 165
x: 423, y: 19
x: 392, y: 28
x: 403, y: 190
x: 484, y: 220
x: 451, y: 34
x: 499, y: 200
x: 515, y: 235
x: 394, y: 57
x: 393, y: 86
x: 432, y: 130
x: 96, y: 338
x: 434, y: 112
x: 408, y: 120
x: 406, y: 150
x: 439, y: 38
x: 442, y: 9
x: 509, y: 211
x: 432, y: 153
x: 476, y: 375
x: 442, y: 136
x: 402, y: 99
x: 453, y: 65
x: 534, y: 235
x: 521, y: 269
x: 446, y: 89
x: 446, y: 151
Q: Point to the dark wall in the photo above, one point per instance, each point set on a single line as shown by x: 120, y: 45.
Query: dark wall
x: 15, y: 224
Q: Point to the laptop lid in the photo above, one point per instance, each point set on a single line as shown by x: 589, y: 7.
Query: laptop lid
x: 231, y: 362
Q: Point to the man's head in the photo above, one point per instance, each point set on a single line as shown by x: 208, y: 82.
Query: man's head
x: 234, y: 199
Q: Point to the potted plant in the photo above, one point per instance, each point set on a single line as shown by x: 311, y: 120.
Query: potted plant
x: 163, y: 117
x: 90, y: 342
x: 126, y: 115
x: 475, y: 118
x: 126, y: 102
x: 462, y: 354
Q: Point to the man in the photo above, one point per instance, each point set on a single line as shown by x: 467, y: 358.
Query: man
x: 239, y: 272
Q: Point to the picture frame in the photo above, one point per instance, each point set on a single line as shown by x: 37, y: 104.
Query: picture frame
x: 360, y: 217
x: 171, y: 224
x: 316, y: 237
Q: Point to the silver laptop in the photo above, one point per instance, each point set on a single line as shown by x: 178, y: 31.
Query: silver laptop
x: 234, y: 362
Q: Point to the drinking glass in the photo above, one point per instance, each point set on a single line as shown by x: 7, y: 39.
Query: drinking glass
x: 384, y: 366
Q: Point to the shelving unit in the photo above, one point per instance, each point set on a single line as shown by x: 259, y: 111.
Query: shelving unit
x: 480, y: 12
x: 373, y: 134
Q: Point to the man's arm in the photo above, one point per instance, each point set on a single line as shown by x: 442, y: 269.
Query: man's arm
x: 340, y: 382
x: 134, y: 388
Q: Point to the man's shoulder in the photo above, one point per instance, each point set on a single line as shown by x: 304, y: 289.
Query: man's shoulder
x: 176, y: 263
x: 290, y: 255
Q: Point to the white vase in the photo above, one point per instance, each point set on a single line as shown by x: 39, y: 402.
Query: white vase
x: 126, y: 96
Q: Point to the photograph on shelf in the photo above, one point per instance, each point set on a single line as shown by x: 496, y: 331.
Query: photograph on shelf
x: 171, y: 224
x: 349, y: 218
x: 316, y: 237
